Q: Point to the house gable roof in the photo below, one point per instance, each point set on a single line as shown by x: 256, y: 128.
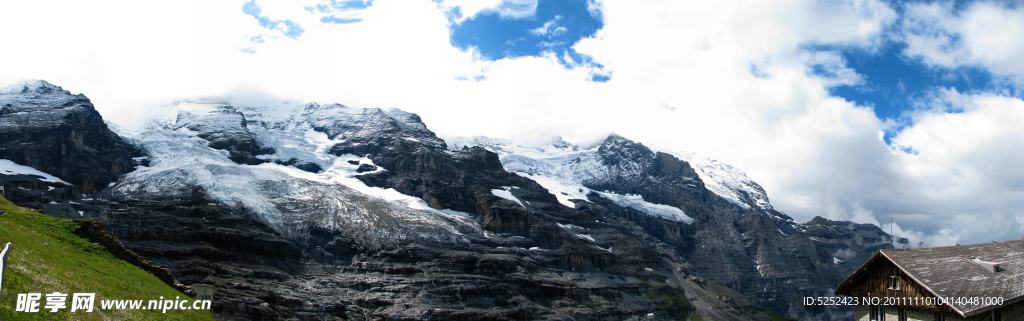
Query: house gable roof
x: 960, y: 272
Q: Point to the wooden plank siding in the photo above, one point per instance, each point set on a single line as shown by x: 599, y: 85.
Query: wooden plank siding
x: 874, y: 281
x: 980, y: 271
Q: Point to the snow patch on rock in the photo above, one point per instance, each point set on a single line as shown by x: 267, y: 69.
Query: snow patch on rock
x: 506, y: 193
x: 585, y: 237
x: 728, y: 182
x: 8, y: 167
x: 637, y: 202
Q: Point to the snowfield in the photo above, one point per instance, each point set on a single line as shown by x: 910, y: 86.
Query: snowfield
x: 562, y: 168
x: 287, y: 199
x: 726, y: 181
x: 506, y: 193
x: 8, y: 167
x: 292, y: 200
x: 637, y: 202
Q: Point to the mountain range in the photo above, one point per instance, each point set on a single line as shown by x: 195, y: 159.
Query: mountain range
x: 326, y: 211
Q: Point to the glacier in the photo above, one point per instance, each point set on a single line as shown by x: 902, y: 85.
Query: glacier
x: 562, y: 168
x: 288, y: 199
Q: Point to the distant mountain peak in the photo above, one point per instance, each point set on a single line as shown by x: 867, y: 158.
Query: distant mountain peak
x: 37, y: 115
x: 618, y: 142
x: 30, y: 86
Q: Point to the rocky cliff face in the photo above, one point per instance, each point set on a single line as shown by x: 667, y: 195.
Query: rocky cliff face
x: 330, y: 211
x: 726, y: 230
x: 344, y: 243
x: 336, y: 212
x: 47, y: 128
x: 225, y: 129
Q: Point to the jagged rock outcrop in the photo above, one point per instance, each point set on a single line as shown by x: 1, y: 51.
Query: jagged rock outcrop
x: 725, y: 229
x: 502, y: 261
x: 337, y: 212
x: 318, y: 229
x: 47, y: 128
x: 95, y: 232
x: 226, y: 129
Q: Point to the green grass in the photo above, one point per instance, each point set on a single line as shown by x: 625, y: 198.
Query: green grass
x: 696, y: 317
x: 677, y: 299
x: 668, y: 294
x: 46, y: 256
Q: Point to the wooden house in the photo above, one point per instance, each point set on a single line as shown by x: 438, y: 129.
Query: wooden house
x: 971, y: 282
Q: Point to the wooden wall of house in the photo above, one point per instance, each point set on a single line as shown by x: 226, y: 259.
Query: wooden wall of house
x: 874, y: 282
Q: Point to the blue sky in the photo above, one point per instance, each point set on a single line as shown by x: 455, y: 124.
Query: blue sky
x: 286, y: 26
x: 336, y: 10
x: 895, y: 82
x: 892, y: 82
x: 329, y: 12
x: 512, y: 29
x: 553, y: 28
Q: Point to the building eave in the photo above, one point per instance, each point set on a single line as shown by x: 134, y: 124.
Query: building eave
x: 925, y: 286
x: 849, y: 279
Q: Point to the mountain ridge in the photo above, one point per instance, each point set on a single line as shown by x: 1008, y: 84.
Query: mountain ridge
x: 735, y: 234
x: 331, y: 211
x: 47, y: 128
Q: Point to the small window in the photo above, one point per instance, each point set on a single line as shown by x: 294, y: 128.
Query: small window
x: 939, y: 316
x: 894, y: 279
x: 901, y: 313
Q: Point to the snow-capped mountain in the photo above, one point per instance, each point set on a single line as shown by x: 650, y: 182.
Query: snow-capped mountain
x: 47, y: 128
x: 561, y: 167
x: 730, y: 232
x: 322, y: 211
x: 282, y: 171
x: 729, y: 182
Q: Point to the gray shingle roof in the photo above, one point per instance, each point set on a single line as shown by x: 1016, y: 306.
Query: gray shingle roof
x: 966, y: 271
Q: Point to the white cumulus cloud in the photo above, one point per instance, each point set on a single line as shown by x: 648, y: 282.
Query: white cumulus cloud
x: 981, y: 34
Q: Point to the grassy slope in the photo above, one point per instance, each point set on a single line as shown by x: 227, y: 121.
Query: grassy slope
x: 46, y: 256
